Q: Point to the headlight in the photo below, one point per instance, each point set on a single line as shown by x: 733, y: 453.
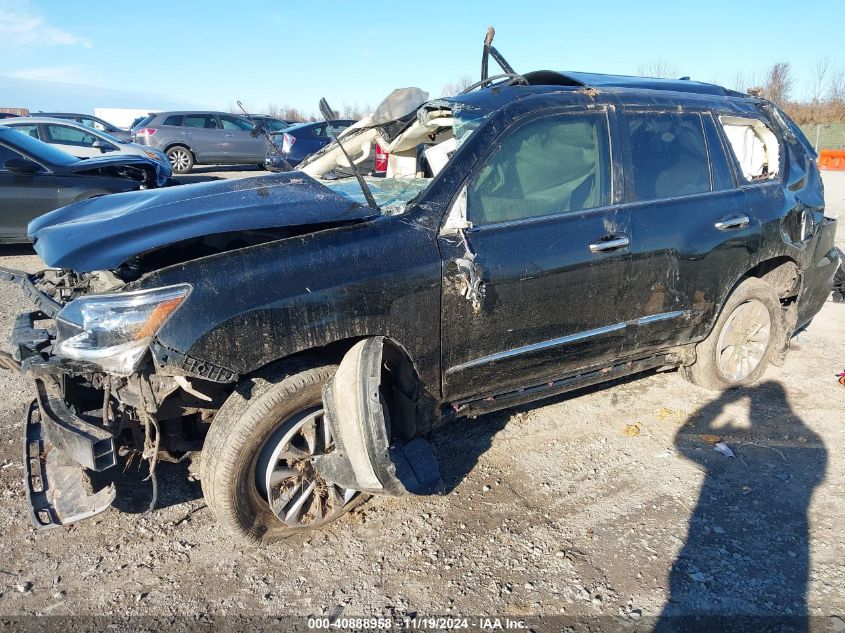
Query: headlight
x: 113, y: 331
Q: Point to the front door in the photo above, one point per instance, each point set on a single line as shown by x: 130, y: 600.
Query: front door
x: 203, y: 135
x: 549, y: 247
x: 241, y: 146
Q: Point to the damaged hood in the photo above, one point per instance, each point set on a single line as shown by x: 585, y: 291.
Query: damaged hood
x: 102, y: 233
x: 97, y: 162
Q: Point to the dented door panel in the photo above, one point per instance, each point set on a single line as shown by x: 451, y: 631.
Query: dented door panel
x: 525, y: 329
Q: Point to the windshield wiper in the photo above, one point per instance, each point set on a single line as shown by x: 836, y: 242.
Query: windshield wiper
x: 328, y: 115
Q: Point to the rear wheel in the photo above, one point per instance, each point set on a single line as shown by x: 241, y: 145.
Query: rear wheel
x: 256, y: 472
x: 181, y: 159
x: 746, y: 335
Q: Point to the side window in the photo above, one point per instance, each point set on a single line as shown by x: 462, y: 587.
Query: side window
x: 175, y: 119
x: 234, y: 123
x: 668, y: 155
x: 548, y: 166
x: 69, y: 136
x: 5, y: 154
x: 207, y: 121
x: 754, y: 145
x: 31, y: 130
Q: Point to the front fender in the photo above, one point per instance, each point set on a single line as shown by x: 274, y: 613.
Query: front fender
x: 256, y: 305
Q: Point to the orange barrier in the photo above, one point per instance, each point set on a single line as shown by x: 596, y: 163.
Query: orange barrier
x: 832, y: 159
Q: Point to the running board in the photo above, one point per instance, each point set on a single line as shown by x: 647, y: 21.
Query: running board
x: 480, y: 406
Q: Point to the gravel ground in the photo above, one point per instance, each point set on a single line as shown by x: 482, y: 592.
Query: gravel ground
x: 611, y: 501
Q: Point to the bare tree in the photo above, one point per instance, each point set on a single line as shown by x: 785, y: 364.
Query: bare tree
x: 744, y: 81
x: 778, y: 84
x: 662, y: 68
x: 836, y: 87
x: 355, y: 111
x: 457, y: 87
x: 821, y: 70
x: 284, y: 112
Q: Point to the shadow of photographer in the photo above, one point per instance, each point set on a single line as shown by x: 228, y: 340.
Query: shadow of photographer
x: 745, y: 562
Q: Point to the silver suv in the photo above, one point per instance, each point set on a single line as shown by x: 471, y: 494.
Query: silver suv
x: 202, y: 138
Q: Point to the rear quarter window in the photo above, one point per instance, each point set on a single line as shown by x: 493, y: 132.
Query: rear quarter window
x: 173, y: 119
x: 754, y: 147
x: 668, y: 154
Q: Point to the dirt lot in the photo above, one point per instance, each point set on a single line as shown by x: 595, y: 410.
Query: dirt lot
x: 609, y: 502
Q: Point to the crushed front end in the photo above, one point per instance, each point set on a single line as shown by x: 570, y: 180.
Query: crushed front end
x: 100, y: 398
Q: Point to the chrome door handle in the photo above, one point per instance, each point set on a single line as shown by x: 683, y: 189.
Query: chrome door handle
x: 229, y: 135
x: 609, y: 245
x: 738, y: 222
x: 185, y: 133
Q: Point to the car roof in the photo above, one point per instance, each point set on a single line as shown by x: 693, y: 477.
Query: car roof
x: 621, y: 88
x: 304, y: 124
x: 183, y: 112
x: 42, y: 118
x: 600, y: 80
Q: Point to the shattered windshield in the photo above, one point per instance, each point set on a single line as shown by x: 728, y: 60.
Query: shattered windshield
x: 467, y: 119
x: 391, y: 194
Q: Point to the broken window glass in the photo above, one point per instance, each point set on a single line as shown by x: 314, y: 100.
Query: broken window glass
x: 754, y: 145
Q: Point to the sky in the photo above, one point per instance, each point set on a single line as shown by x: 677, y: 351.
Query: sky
x: 82, y: 54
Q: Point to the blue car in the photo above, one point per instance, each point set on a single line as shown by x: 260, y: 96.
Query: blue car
x: 292, y: 145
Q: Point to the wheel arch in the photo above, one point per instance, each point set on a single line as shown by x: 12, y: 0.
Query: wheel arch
x: 170, y: 146
x: 405, y: 392
x: 781, y: 272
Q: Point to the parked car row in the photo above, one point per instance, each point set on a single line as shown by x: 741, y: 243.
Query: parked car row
x: 189, y: 138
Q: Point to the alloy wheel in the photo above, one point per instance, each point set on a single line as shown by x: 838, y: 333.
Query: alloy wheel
x: 285, y: 476
x: 744, y: 340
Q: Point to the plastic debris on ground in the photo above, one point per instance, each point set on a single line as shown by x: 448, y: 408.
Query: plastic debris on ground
x: 724, y: 449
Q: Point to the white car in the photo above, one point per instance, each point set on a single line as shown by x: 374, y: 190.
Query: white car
x: 79, y: 140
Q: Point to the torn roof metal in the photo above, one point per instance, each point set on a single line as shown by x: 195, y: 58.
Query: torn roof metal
x: 598, y: 80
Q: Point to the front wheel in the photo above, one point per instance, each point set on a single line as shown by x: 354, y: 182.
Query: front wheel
x: 746, y: 335
x: 256, y: 470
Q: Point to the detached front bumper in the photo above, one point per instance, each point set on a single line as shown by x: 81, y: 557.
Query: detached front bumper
x: 54, y: 482
x: 58, y: 443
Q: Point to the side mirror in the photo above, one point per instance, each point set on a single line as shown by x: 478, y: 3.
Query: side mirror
x: 21, y: 166
x: 100, y: 146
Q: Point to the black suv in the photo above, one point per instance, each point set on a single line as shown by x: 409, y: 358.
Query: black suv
x: 542, y: 233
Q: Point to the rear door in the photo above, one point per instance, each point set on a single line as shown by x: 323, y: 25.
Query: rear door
x: 202, y: 134
x: 690, y: 224
x: 241, y: 145
x: 548, y: 246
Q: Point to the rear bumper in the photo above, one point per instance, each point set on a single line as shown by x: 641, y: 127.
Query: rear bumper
x: 818, y: 277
